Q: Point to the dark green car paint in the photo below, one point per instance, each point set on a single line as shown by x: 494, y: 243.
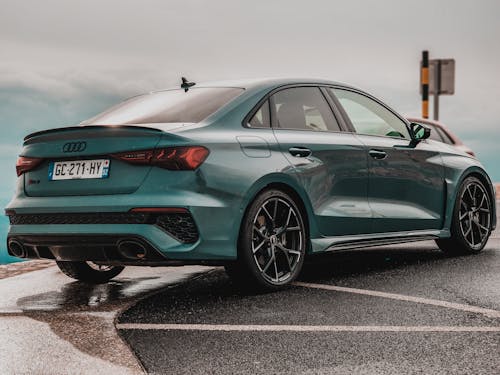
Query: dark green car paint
x: 347, y: 196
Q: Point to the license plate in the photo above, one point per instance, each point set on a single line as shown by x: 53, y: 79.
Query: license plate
x: 78, y: 169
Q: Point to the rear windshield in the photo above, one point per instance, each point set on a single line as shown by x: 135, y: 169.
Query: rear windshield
x: 167, y: 106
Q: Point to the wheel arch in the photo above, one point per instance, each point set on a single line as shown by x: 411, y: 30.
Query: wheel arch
x: 296, y: 198
x: 484, y: 178
x: 289, y: 186
x: 481, y: 175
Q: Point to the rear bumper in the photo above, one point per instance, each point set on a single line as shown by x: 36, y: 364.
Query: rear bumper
x: 82, y: 248
x: 106, y: 249
x: 216, y: 221
x: 100, y: 242
x: 177, y: 223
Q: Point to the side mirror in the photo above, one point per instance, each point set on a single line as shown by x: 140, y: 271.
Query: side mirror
x: 420, y: 131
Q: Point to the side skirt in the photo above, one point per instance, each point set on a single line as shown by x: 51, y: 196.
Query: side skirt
x: 351, y: 242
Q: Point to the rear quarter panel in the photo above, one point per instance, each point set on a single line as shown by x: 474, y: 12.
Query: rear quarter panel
x: 241, y: 163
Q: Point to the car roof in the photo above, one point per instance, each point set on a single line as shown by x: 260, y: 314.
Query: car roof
x: 257, y: 83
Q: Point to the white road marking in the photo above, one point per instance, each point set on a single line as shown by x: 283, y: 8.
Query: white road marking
x: 301, y: 328
x: 401, y: 297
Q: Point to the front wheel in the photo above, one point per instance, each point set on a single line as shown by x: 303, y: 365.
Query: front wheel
x: 471, y: 222
x: 272, y: 242
x: 89, y: 272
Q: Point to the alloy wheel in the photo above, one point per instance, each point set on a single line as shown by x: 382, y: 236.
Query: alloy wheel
x: 474, y: 214
x: 277, y: 240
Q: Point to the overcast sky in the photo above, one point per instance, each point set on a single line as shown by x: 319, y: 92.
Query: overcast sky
x: 67, y: 48
x: 62, y: 61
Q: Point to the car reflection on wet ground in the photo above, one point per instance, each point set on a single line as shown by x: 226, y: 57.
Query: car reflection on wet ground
x: 50, y: 324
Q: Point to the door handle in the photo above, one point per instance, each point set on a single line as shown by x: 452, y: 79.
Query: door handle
x: 377, y: 154
x: 300, y: 152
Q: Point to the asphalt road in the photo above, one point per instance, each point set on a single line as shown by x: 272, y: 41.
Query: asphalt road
x: 51, y: 324
x: 387, y: 310
x: 439, y: 315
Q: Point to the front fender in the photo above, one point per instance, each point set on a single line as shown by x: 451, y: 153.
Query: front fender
x: 454, y: 177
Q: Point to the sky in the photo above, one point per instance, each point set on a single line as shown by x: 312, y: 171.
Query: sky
x: 63, y: 61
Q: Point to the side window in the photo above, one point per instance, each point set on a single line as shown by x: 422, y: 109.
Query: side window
x: 303, y: 108
x: 369, y: 117
x: 261, y: 118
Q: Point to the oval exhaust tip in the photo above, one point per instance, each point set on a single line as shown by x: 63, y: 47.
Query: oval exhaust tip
x: 131, y: 249
x: 17, y: 249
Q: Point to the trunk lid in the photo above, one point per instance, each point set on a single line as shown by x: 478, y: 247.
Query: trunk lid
x: 87, y: 143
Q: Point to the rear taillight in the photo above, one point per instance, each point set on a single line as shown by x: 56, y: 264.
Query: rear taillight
x: 135, y: 157
x: 25, y: 164
x: 180, y: 158
x: 174, y: 158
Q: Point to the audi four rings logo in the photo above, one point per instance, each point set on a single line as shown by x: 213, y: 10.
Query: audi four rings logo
x: 74, y: 146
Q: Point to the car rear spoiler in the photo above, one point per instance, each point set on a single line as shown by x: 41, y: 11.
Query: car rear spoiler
x: 85, y: 127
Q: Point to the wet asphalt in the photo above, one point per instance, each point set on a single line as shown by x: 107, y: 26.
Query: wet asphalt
x: 418, y: 270
x: 51, y: 324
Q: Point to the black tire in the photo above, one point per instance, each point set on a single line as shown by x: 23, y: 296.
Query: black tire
x: 472, y: 210
x: 82, y: 271
x: 277, y: 239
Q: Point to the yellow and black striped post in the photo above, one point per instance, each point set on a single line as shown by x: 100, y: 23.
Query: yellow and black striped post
x: 424, y: 81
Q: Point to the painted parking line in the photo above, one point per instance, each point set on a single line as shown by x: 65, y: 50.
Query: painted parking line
x: 300, y: 328
x: 401, y: 297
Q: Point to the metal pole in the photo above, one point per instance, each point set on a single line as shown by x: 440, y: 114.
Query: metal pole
x: 424, y: 81
x: 437, y: 87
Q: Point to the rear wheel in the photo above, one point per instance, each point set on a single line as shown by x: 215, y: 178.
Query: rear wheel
x: 471, y: 222
x: 272, y: 243
x: 89, y: 272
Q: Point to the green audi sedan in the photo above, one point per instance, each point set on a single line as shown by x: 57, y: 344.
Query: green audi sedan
x: 251, y: 175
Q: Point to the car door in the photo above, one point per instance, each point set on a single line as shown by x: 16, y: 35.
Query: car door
x: 330, y: 164
x: 406, y: 189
